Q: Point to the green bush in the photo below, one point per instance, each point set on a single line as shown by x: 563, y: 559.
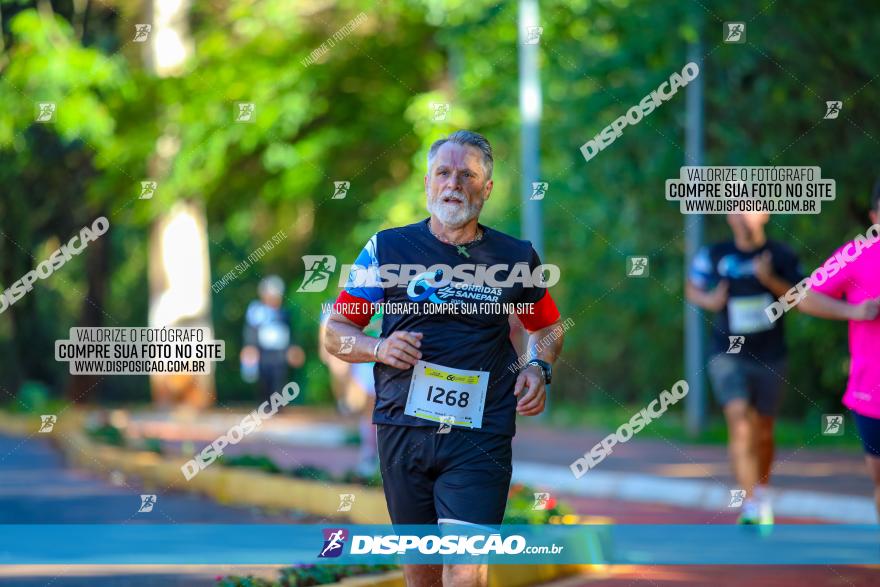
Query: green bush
x: 107, y: 434
x: 262, y: 463
x: 311, y: 473
x: 33, y: 396
x: 153, y: 445
x: 520, y: 502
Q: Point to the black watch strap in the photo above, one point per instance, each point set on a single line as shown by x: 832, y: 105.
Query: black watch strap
x: 545, y: 367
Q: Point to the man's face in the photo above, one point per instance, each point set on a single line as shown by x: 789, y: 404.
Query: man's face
x: 748, y: 226
x: 456, y: 185
x: 271, y: 298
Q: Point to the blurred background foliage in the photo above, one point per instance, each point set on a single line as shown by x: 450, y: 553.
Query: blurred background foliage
x: 360, y: 113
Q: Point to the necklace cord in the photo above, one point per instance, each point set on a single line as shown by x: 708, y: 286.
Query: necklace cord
x: 479, y: 236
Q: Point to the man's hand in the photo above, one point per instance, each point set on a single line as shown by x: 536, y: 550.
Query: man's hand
x: 867, y: 310
x: 401, y: 349
x: 717, y: 298
x: 295, y: 356
x: 531, y: 381
x: 250, y: 354
x: 763, y: 266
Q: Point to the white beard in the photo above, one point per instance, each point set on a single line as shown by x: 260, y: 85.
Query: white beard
x: 453, y: 215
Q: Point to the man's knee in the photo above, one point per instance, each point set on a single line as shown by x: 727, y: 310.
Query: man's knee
x: 738, y: 421
x: 423, y: 575
x: 874, y: 468
x: 465, y: 575
x: 764, y: 430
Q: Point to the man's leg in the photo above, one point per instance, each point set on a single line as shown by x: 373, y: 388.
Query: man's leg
x: 423, y: 575
x: 405, y: 458
x: 465, y: 575
x: 766, y: 446
x: 869, y: 433
x: 873, y: 463
x: 730, y: 385
x: 471, y: 493
x: 741, y: 444
x: 767, y: 381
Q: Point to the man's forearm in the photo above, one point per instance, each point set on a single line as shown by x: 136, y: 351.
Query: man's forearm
x: 698, y: 297
x: 338, y: 341
x: 822, y: 306
x: 544, y: 345
x: 777, y: 286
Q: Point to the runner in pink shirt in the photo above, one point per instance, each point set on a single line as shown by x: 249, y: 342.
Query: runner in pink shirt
x: 858, y: 281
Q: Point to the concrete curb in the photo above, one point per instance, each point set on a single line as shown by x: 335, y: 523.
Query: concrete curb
x: 707, y: 495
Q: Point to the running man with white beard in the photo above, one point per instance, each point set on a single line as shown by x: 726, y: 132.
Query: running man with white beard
x: 434, y: 367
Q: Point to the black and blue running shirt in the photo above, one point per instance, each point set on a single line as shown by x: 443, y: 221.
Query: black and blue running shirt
x: 479, y: 342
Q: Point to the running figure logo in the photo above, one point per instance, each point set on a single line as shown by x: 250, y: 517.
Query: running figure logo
x: 141, y: 32
x: 541, y: 500
x: 736, y: 344
x: 47, y: 423
x: 45, y: 111
x: 245, y: 112
x: 147, y: 503
x: 737, y: 497
x: 539, y: 190
x: 346, y: 500
x: 636, y: 266
x: 446, y: 423
x: 346, y: 345
x: 334, y: 540
x: 832, y: 424
x: 533, y: 35
x: 148, y: 188
x: 341, y: 188
x: 734, y: 32
x: 832, y: 109
x: 319, y: 268
x: 439, y: 110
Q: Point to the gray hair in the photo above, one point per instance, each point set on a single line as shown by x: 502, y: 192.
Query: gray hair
x: 467, y: 138
x: 271, y: 284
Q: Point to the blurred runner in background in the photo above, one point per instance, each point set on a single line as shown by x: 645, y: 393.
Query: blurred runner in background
x: 267, y: 350
x: 737, y: 280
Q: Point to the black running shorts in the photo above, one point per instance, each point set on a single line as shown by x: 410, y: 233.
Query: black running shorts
x: 430, y: 478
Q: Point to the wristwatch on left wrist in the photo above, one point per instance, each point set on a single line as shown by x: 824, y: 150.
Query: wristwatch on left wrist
x: 546, y: 367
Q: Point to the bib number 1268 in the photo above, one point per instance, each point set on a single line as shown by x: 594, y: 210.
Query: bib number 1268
x: 438, y: 395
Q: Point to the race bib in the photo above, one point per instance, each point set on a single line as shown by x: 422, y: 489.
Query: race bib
x: 273, y: 336
x: 444, y: 394
x: 746, y: 314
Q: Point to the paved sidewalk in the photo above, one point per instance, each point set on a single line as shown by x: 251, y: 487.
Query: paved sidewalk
x: 36, y: 488
x: 824, y: 484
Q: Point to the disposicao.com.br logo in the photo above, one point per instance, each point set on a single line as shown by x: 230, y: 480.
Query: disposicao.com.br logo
x: 448, y: 544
